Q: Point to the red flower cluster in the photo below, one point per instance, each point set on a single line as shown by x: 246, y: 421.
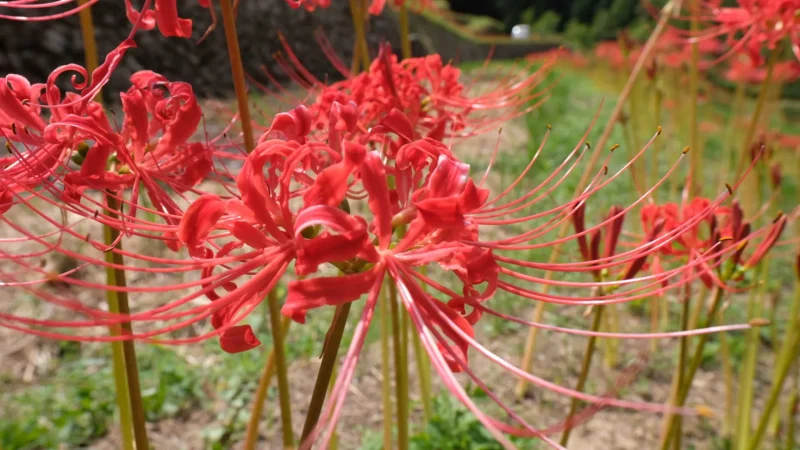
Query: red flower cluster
x: 742, y: 70
x: 150, y: 150
x: 757, y: 24
x: 429, y: 93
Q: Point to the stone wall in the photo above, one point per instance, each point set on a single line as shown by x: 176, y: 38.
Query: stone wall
x: 33, y: 49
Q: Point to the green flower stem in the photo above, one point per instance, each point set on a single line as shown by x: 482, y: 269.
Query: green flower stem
x: 237, y: 71
x: 794, y: 403
x: 111, y: 236
x: 400, y: 370
x: 117, y: 352
x: 585, y: 366
x: 240, y: 86
x: 748, y: 372
x: 405, y: 40
x: 697, y: 358
x: 251, y: 437
x: 727, y: 370
x: 695, y: 163
x: 386, y: 387
x: 756, y: 118
x: 424, y: 370
x: 530, y: 342
x: 330, y: 352
x: 787, y: 356
x: 679, y: 372
x: 334, y: 443
x: 280, y: 366
x: 358, y: 12
x: 118, y: 356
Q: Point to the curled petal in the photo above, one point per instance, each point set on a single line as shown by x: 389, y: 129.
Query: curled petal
x: 316, y: 292
x: 295, y: 124
x: 238, y: 339
x: 169, y: 24
x: 200, y: 218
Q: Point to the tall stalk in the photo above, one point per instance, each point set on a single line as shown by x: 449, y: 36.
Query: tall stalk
x: 679, y: 371
x: 794, y: 407
x: 727, y: 371
x: 330, y: 352
x: 240, y: 86
x: 400, y: 370
x: 530, y: 343
x: 730, y: 131
x: 697, y: 358
x: 756, y: 118
x: 787, y: 356
x: 251, y: 436
x: 358, y: 12
x: 585, y: 366
x: 423, y: 370
x: 405, y: 39
x: 386, y: 387
x: 114, y: 277
x: 695, y: 169
x: 748, y: 372
x: 334, y: 442
x: 128, y: 348
x: 118, y: 356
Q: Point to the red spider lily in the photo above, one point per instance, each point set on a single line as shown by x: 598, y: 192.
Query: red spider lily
x: 299, y: 201
x: 164, y: 15
x: 618, y: 52
x: 426, y: 91
x: 674, y: 48
x: 753, y: 25
x: 742, y: 70
x: 151, y: 147
x: 726, y: 225
x: 445, y: 231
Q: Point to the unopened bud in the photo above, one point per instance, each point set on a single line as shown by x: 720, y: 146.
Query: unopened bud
x: 83, y: 148
x: 776, y: 176
x: 309, y: 232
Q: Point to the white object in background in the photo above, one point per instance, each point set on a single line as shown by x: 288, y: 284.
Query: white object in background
x: 521, y: 32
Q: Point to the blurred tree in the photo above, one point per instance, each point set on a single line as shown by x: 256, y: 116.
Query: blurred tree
x: 592, y: 20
